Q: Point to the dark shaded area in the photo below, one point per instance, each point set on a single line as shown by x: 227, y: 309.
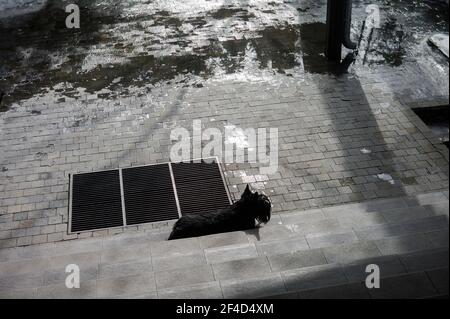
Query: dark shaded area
x: 275, y: 48
x: 313, y: 46
x: 437, y: 119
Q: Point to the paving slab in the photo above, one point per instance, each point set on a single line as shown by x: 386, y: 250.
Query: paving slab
x: 407, y: 214
x: 89, y: 259
x: 352, y: 220
x: 295, y: 260
x: 403, y: 244
x: 426, y: 260
x: 269, y: 233
x: 87, y: 290
x: 262, y: 286
x: 351, y: 252
x: 439, y: 209
x: 427, y: 199
x: 9, y: 282
x: 184, y: 276
x: 320, y: 241
x: 24, y: 266
x: 175, y: 262
x: 426, y: 224
x: 210, y: 290
x: 379, y: 231
x: 243, y: 268
x: 313, y: 277
x: 229, y: 253
x: 125, y: 239
x: 438, y: 238
x: 439, y: 278
x: 415, y: 285
x: 302, y: 217
x: 29, y: 293
x: 350, y: 291
x: 121, y: 254
x: 282, y: 246
x: 323, y: 226
x: 218, y: 240
x: 145, y: 295
x: 176, y: 247
x: 117, y: 286
x: 127, y: 268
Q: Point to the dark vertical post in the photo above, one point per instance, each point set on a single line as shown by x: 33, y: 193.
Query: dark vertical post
x: 335, y: 29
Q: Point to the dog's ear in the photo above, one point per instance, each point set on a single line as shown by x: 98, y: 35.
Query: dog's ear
x: 247, y: 192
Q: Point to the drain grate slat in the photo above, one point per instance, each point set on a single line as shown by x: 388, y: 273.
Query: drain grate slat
x: 144, y: 194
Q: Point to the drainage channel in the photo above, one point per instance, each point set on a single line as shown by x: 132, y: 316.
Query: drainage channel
x: 437, y: 119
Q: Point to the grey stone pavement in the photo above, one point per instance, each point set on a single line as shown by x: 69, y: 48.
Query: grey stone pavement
x: 343, y: 139
x: 320, y: 253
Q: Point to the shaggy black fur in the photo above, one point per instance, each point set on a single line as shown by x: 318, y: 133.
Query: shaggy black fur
x: 242, y: 215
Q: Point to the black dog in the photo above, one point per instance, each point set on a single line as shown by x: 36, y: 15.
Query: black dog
x: 242, y: 215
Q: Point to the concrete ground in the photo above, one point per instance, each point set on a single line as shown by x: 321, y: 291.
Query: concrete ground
x: 108, y: 96
x: 321, y: 253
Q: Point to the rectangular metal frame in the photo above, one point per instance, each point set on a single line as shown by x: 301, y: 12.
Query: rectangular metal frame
x: 69, y: 227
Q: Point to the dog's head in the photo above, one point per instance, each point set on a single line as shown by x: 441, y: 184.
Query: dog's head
x: 257, y: 204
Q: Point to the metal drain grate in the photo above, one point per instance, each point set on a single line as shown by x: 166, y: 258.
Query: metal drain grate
x: 200, y: 187
x: 95, y: 201
x: 144, y: 194
x: 149, y: 194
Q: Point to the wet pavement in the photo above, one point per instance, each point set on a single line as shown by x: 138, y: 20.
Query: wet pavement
x: 125, y: 48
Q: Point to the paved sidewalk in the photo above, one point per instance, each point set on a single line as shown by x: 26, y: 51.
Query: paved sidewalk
x: 321, y: 253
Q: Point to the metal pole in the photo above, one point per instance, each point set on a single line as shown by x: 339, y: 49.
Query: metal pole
x: 336, y: 12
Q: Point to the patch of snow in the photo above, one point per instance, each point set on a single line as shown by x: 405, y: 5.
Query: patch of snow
x: 93, y: 60
x: 441, y: 42
x: 386, y: 177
